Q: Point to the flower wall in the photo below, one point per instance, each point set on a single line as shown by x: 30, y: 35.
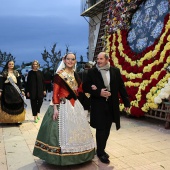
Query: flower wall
x: 146, y: 79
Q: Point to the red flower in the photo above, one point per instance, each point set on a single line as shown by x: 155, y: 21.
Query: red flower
x: 135, y: 111
x: 154, y: 82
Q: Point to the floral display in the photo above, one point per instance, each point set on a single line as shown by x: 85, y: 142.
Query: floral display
x: 119, y: 14
x: 145, y: 74
x: 146, y: 24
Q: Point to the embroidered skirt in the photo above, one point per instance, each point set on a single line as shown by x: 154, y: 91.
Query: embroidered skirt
x: 66, y: 141
x: 11, y: 106
x: 8, y: 118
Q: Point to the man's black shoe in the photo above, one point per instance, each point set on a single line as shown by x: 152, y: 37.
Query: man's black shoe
x: 104, y: 159
x: 106, y: 154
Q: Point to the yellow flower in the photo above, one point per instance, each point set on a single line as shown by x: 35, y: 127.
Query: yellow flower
x: 120, y: 47
x: 157, y: 47
x: 168, y: 38
x: 140, y: 63
x: 152, y: 99
x: 145, y: 108
x: 168, y: 59
x: 148, y: 96
x: 133, y: 63
x: 121, y: 106
x: 134, y: 103
x: 123, y: 72
x: 132, y: 76
x: 148, y: 55
x: 154, y: 89
x: 168, y: 25
x: 138, y: 97
x: 154, y: 53
x: 153, y: 105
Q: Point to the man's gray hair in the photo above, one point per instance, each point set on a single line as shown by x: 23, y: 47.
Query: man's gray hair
x: 106, y: 56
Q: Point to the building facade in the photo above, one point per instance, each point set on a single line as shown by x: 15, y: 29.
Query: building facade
x: 92, y: 11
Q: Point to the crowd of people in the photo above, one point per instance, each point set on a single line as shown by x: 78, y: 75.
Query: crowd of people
x: 65, y: 137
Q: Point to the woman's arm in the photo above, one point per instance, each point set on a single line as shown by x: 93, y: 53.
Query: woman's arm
x: 89, y: 86
x: 56, y: 100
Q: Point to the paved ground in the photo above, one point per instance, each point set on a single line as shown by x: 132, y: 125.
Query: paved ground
x: 141, y: 144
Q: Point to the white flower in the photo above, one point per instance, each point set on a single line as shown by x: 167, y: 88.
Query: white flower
x: 157, y: 100
x: 92, y: 63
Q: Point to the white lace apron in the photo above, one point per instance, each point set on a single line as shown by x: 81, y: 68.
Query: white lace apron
x: 74, y: 130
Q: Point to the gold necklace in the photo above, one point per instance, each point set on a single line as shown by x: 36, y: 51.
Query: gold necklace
x: 71, y: 73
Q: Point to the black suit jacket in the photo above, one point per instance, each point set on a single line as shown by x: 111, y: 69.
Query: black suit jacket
x: 104, y: 112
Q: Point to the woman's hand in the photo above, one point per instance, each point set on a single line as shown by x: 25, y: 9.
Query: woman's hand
x: 28, y: 94
x: 94, y: 87
x: 0, y: 93
x: 44, y: 93
x: 23, y: 93
x: 56, y: 113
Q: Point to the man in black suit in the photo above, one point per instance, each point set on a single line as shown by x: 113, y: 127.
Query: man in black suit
x: 105, y: 83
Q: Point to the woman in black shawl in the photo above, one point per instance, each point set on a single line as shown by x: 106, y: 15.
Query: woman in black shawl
x: 12, y: 105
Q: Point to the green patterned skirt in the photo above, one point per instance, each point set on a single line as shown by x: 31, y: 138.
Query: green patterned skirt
x: 47, y: 144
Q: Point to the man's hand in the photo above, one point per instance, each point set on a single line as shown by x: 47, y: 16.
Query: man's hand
x: 105, y: 93
x: 126, y: 109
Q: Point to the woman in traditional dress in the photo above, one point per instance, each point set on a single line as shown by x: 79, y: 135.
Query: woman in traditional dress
x: 11, y: 92
x: 35, y: 89
x: 64, y: 137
